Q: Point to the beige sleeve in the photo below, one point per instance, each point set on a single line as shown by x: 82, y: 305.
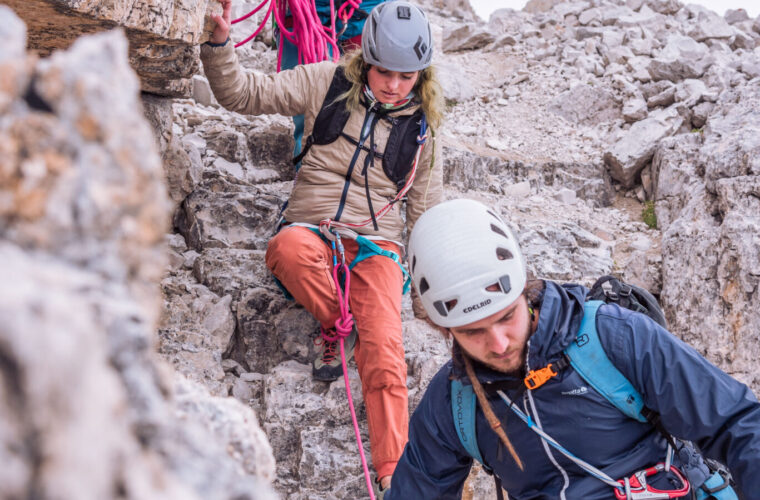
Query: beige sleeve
x: 427, y: 190
x: 290, y: 92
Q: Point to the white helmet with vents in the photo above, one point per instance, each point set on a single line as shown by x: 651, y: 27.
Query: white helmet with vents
x: 457, y: 251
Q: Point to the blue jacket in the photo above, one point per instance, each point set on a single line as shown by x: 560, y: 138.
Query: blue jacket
x: 696, y: 400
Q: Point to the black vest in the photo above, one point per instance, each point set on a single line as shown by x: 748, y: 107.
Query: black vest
x: 398, y: 156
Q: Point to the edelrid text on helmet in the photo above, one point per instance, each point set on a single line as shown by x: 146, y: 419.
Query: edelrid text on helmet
x: 465, y: 262
x: 397, y: 37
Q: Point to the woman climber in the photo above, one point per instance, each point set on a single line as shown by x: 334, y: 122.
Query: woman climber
x: 369, y: 123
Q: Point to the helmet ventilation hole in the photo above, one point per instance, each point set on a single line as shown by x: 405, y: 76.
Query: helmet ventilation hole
x: 496, y: 229
x: 414, y: 262
x: 424, y: 286
x: 503, y: 254
x: 495, y: 216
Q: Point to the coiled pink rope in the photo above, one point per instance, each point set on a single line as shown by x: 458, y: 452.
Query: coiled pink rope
x: 308, y: 34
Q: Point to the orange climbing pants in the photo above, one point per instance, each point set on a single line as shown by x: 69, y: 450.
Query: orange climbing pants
x: 302, y: 262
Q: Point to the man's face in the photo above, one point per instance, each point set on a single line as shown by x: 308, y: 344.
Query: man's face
x: 498, y: 341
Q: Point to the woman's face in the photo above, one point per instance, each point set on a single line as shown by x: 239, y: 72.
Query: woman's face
x: 390, y: 87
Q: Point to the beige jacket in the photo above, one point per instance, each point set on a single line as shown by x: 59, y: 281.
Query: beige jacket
x: 321, y: 179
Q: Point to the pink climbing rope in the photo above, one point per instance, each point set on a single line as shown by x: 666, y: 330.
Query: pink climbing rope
x: 307, y: 33
x: 343, y: 326
x: 261, y: 26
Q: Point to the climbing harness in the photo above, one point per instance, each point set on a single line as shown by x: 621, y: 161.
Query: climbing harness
x: 343, y: 326
x: 307, y: 32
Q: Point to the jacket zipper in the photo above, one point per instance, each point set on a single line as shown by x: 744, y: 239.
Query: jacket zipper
x: 530, y: 408
x: 366, y: 127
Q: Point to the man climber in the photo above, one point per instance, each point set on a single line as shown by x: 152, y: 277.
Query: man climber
x: 561, y: 438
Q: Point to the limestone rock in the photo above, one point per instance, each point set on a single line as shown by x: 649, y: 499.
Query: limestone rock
x: 535, y: 6
x: 68, y: 203
x: 163, y: 35
x: 710, y: 25
x: 635, y: 149
x: 664, y: 98
x: 571, y: 8
x: 588, y: 16
x: 197, y: 332
x: 682, y: 57
x: 635, y: 109
x: 664, y: 6
x: 84, y: 216
x: 12, y: 59
x: 710, y: 240
x: 202, y: 92
x: 690, y: 92
x: 240, y: 218
x: 734, y: 16
x: 466, y: 37
x: 700, y: 114
x: 585, y: 104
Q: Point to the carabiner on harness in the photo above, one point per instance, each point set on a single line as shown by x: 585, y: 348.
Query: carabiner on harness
x: 636, y: 487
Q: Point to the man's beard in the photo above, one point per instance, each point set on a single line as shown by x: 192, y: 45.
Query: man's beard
x: 516, y: 369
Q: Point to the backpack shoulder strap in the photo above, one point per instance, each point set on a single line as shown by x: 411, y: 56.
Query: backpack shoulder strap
x: 588, y: 358
x: 463, y: 405
x: 332, y: 116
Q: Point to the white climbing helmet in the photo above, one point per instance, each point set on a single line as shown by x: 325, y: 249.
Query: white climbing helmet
x: 457, y: 250
x: 396, y: 36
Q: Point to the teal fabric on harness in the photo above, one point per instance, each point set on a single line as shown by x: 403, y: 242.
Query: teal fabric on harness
x: 463, y: 408
x: 367, y: 249
x: 716, y: 488
x: 588, y: 358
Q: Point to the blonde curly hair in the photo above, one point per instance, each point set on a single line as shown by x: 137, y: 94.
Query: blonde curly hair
x: 427, y: 89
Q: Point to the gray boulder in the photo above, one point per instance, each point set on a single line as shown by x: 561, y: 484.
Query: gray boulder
x: 710, y: 25
x: 585, y: 104
x: 466, y: 37
x: 707, y: 196
x: 84, y: 216
x: 734, y: 16
x: 629, y: 155
x: 635, y: 109
x: 682, y: 57
x: 667, y: 7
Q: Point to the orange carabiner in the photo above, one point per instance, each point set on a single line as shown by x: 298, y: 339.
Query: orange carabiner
x: 537, y: 378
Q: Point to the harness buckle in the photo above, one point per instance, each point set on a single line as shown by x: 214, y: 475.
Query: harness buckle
x: 636, y: 487
x: 537, y: 378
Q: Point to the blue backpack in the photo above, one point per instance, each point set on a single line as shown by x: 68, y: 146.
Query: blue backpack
x: 586, y: 355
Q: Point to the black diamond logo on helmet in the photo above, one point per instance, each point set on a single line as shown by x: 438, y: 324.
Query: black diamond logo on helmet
x: 404, y: 12
x: 420, y: 48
